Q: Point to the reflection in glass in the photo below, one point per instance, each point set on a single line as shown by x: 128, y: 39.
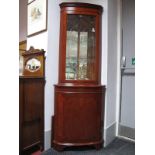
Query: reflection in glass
x: 71, y: 54
x: 20, y: 65
x: 33, y: 65
x: 80, y: 47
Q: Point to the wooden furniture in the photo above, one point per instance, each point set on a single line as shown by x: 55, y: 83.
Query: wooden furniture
x: 79, y: 95
x: 34, y: 62
x: 22, y: 49
x: 22, y: 46
x: 31, y: 103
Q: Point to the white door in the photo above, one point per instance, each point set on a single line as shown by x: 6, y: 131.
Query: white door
x: 127, y: 107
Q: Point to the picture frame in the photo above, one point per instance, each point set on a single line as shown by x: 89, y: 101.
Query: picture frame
x: 36, y: 17
x: 29, y: 1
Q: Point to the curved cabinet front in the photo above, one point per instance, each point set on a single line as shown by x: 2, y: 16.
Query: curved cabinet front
x: 78, y: 118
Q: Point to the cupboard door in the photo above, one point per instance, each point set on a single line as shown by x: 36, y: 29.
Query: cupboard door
x: 79, y: 113
x: 82, y: 117
x: 32, y: 125
x: 80, y: 43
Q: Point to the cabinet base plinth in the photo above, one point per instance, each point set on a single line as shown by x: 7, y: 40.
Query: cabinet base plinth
x: 61, y: 146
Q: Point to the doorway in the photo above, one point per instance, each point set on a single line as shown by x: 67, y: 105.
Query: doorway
x: 126, y: 126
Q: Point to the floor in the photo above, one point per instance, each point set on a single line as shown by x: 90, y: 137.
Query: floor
x: 117, y: 147
x: 36, y: 153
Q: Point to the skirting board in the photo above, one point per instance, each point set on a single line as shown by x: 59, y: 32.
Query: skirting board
x: 47, y: 142
x: 126, y: 132
x: 109, y: 134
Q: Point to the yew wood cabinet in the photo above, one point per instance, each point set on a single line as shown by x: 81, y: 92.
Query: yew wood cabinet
x: 79, y: 95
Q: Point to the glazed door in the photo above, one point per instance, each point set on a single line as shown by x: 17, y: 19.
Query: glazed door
x: 80, y: 47
x: 127, y: 108
x: 80, y: 52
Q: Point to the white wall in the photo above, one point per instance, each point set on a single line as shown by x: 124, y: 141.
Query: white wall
x: 111, y: 91
x: 22, y: 20
x: 119, y: 50
x: 112, y: 63
x: 51, y: 60
x: 38, y: 41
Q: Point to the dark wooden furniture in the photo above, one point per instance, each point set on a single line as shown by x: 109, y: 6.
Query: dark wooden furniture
x: 79, y: 95
x: 31, y: 106
x: 34, y: 62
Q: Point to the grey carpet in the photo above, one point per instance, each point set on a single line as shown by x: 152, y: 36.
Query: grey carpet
x: 117, y: 147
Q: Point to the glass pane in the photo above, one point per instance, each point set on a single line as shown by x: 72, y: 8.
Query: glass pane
x: 80, y: 47
x: 71, y: 54
x: 33, y: 65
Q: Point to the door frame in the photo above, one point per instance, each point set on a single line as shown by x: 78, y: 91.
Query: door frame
x: 119, y: 53
x: 119, y: 74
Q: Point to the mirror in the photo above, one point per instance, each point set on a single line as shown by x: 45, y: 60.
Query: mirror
x: 33, y: 65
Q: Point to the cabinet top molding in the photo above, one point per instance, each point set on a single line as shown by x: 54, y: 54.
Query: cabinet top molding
x: 82, y: 5
x: 33, y: 51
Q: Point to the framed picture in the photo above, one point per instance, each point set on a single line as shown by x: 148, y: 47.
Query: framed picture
x: 29, y: 1
x: 37, y: 17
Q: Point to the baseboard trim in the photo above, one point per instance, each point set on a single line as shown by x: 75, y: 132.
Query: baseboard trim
x: 109, y: 134
x: 47, y: 142
x: 127, y: 132
x: 126, y: 138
